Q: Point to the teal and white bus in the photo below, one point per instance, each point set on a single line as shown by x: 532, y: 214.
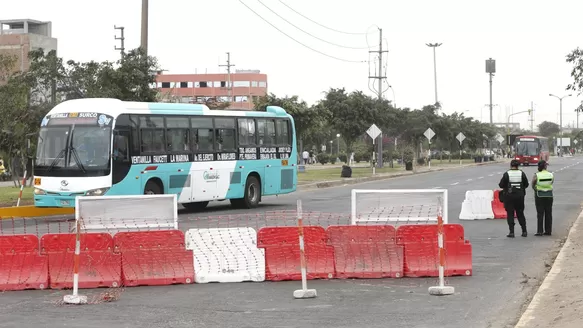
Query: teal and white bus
x: 96, y: 147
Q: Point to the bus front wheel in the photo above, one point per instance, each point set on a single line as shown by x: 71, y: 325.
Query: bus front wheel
x: 152, y: 188
x: 252, y: 194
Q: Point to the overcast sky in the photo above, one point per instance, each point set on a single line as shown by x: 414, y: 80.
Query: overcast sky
x: 528, y: 39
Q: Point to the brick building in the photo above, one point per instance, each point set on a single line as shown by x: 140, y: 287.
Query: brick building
x: 245, y: 86
x: 19, y: 36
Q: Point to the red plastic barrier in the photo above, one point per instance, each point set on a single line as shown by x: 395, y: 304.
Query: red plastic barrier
x: 21, y: 265
x: 421, y: 250
x: 282, y: 253
x: 154, y: 258
x: 98, y: 265
x: 366, y: 251
x: 498, y: 207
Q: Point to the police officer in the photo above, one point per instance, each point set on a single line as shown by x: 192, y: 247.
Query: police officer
x: 542, y: 183
x: 514, y: 183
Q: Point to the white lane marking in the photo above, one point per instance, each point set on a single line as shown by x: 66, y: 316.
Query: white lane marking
x: 469, y: 179
x: 436, y: 188
x: 480, y: 178
x: 455, y: 183
x: 491, y: 175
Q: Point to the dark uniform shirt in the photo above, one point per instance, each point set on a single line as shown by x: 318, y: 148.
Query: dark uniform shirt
x: 514, y: 182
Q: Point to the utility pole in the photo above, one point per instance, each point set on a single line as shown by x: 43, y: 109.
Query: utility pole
x: 144, y: 43
x: 491, y: 69
x: 531, y: 118
x: 380, y: 78
x: 122, y: 40
x: 435, y: 45
x: 228, y: 74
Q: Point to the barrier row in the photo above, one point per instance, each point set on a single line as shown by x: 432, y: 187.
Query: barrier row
x: 482, y: 205
x: 230, y: 255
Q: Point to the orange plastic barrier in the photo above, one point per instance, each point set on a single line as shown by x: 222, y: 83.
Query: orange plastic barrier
x: 21, y: 265
x: 498, y: 207
x: 98, y: 266
x: 421, y: 250
x: 154, y: 258
x: 282, y: 253
x: 366, y: 251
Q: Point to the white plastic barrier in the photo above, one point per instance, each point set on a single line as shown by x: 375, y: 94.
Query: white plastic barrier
x: 114, y: 214
x: 226, y: 255
x: 477, y: 205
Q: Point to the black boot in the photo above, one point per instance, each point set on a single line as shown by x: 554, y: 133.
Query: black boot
x: 511, y: 234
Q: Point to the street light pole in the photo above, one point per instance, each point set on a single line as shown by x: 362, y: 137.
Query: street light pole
x: 560, y: 118
x: 434, y: 45
x: 508, y: 127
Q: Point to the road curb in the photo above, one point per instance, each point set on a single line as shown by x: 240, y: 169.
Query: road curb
x: 528, y: 318
x: 351, y: 181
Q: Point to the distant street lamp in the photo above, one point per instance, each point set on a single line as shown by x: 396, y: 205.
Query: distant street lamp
x: 338, y: 142
x: 560, y: 117
x: 434, y: 45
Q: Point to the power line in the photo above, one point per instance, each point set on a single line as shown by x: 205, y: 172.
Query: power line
x: 308, y: 33
x: 282, y: 32
x: 313, y: 21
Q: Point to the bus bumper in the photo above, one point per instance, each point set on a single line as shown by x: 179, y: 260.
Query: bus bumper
x: 54, y: 201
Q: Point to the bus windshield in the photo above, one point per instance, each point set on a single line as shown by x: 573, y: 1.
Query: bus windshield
x: 75, y: 150
x: 527, y: 148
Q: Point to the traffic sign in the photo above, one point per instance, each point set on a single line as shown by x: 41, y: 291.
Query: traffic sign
x: 460, y: 137
x: 575, y: 141
x: 373, y: 131
x: 499, y: 138
x: 429, y: 134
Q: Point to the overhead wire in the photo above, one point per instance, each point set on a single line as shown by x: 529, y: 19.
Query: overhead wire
x: 299, y: 42
x: 313, y: 21
x: 308, y: 33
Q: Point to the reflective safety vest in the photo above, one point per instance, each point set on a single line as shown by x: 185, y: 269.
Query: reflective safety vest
x: 515, y: 179
x: 544, y: 182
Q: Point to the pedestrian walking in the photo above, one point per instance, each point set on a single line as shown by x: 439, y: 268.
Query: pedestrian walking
x: 542, y: 183
x: 514, y: 183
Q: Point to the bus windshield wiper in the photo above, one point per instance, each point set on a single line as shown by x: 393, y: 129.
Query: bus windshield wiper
x: 57, y: 159
x: 77, y: 160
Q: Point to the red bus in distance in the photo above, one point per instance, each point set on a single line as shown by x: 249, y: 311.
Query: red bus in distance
x: 531, y: 149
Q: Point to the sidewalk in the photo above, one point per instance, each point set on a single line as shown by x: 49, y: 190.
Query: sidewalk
x: 558, y: 301
x: 383, y: 176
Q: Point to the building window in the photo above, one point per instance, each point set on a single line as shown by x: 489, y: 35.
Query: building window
x: 197, y: 84
x: 241, y: 98
x: 266, y: 132
x: 241, y: 83
x: 224, y: 99
x: 225, y: 134
x: 173, y: 84
x: 217, y: 84
x: 190, y: 84
x: 223, y: 84
x: 203, y: 84
x: 202, y: 134
x: 262, y: 84
x: 177, y: 139
x: 282, y: 133
x: 254, y: 84
x: 183, y: 84
x: 165, y: 84
x: 186, y: 100
x: 247, y: 132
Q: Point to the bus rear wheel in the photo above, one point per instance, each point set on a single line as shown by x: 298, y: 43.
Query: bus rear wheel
x: 252, y: 194
x: 196, y: 206
x: 152, y: 188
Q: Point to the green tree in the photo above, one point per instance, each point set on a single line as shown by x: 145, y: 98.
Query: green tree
x: 575, y: 58
x: 548, y: 129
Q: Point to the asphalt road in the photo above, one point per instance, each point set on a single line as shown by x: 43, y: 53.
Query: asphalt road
x: 506, y: 272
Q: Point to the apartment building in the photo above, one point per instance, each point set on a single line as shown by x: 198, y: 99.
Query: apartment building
x: 239, y: 89
x: 19, y: 36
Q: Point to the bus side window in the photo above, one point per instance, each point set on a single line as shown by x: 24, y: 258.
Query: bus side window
x: 202, y: 135
x: 282, y: 133
x: 177, y: 133
x: 266, y: 132
x: 247, y: 133
x: 225, y: 134
x: 152, y: 134
x: 134, y: 135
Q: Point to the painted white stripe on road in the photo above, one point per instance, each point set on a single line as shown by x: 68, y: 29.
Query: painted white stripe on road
x: 455, y: 183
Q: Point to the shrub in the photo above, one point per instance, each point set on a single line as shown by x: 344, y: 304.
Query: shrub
x: 323, y: 158
x: 343, y: 158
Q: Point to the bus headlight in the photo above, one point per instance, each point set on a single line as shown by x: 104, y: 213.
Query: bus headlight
x: 536, y: 158
x: 96, y: 192
x: 39, y: 191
